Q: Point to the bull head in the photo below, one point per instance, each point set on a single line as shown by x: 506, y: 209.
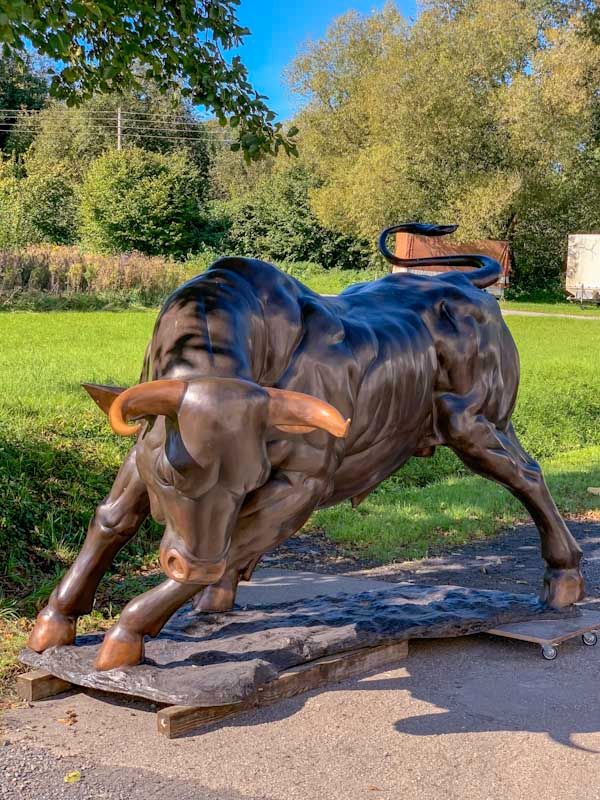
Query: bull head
x: 204, y: 448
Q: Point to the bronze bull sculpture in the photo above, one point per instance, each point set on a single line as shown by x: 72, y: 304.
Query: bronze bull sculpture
x: 261, y: 401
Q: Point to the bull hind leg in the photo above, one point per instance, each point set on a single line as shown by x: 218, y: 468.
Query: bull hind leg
x: 275, y: 513
x: 497, y: 454
x: 116, y: 520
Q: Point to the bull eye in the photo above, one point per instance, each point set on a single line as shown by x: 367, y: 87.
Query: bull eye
x: 163, y: 470
x: 176, y: 453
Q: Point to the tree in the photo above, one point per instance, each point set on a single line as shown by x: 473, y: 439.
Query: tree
x: 76, y: 136
x: 480, y: 113
x: 135, y: 200
x: 180, y: 44
x: 21, y: 87
x: 231, y: 177
x: 274, y: 220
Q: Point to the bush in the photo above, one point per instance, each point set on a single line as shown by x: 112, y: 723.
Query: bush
x: 51, y: 205
x: 39, y: 207
x: 328, y: 281
x: 275, y: 222
x: 15, y: 226
x: 136, y: 200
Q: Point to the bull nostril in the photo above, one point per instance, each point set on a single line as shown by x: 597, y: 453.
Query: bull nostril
x: 176, y: 567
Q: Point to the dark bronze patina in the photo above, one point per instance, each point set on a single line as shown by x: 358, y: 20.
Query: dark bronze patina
x: 242, y: 423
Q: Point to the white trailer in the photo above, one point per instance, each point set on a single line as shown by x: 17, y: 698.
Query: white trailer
x: 582, y: 278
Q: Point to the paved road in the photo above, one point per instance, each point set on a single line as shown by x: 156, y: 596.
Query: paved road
x: 474, y: 718
x: 515, y: 313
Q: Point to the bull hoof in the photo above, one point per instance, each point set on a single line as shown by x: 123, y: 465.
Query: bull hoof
x: 120, y: 648
x: 562, y: 587
x: 51, y: 629
x: 214, y: 599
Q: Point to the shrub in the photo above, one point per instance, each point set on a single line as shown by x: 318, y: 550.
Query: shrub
x: 15, y: 226
x: 51, y: 205
x: 39, y: 207
x: 275, y: 222
x: 136, y: 200
x: 328, y: 281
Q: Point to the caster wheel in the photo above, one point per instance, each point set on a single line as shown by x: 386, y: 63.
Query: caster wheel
x: 590, y: 638
x: 549, y: 652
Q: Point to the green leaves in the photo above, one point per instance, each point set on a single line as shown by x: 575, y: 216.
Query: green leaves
x: 481, y: 112
x: 136, y: 200
x: 181, y: 44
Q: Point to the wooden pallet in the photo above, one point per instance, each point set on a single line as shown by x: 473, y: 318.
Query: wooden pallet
x: 173, y: 721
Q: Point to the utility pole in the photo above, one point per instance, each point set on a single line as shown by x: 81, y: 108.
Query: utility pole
x: 119, y: 127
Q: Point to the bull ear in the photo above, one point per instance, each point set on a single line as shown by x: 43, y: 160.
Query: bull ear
x: 103, y: 396
x: 294, y: 412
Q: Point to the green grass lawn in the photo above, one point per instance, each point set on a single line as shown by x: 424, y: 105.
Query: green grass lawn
x: 58, y: 456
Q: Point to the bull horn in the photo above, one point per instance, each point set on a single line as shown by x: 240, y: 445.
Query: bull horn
x: 295, y: 412
x: 145, y: 400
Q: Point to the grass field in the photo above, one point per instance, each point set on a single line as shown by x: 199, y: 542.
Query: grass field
x: 58, y: 456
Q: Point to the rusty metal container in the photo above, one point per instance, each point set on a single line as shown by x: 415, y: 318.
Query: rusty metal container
x: 409, y: 245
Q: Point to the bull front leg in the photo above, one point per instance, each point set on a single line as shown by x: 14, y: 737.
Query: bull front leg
x: 275, y: 512
x: 116, y: 520
x: 145, y: 615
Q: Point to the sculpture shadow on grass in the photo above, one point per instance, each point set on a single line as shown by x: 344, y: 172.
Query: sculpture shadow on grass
x: 50, y: 484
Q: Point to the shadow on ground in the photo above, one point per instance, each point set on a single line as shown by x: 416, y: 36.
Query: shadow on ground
x: 478, y: 684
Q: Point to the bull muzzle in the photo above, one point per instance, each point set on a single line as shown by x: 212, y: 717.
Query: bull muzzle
x: 184, y: 570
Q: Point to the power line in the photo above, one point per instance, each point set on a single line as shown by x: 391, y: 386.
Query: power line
x: 123, y: 125
x: 94, y: 112
x: 177, y: 127
x: 131, y: 132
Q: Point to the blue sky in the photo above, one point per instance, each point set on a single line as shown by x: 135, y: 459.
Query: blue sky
x: 280, y: 28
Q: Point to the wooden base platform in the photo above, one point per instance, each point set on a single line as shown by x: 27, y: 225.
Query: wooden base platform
x: 176, y: 720
x: 550, y: 633
x: 205, y: 667
x: 173, y: 721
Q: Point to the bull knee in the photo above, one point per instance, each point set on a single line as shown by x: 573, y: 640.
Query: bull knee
x: 112, y: 522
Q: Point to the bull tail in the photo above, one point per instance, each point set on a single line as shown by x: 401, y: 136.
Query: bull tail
x: 488, y: 269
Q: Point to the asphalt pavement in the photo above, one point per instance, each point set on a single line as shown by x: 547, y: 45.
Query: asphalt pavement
x: 474, y: 718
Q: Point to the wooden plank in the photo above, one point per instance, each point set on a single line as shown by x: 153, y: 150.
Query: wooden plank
x: 550, y: 631
x: 331, y: 669
x: 39, y: 684
x: 176, y: 720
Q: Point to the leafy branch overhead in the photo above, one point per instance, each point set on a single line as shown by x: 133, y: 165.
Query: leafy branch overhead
x: 100, y: 45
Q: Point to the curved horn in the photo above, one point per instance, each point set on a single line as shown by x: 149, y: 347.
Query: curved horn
x: 145, y: 400
x: 298, y: 413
